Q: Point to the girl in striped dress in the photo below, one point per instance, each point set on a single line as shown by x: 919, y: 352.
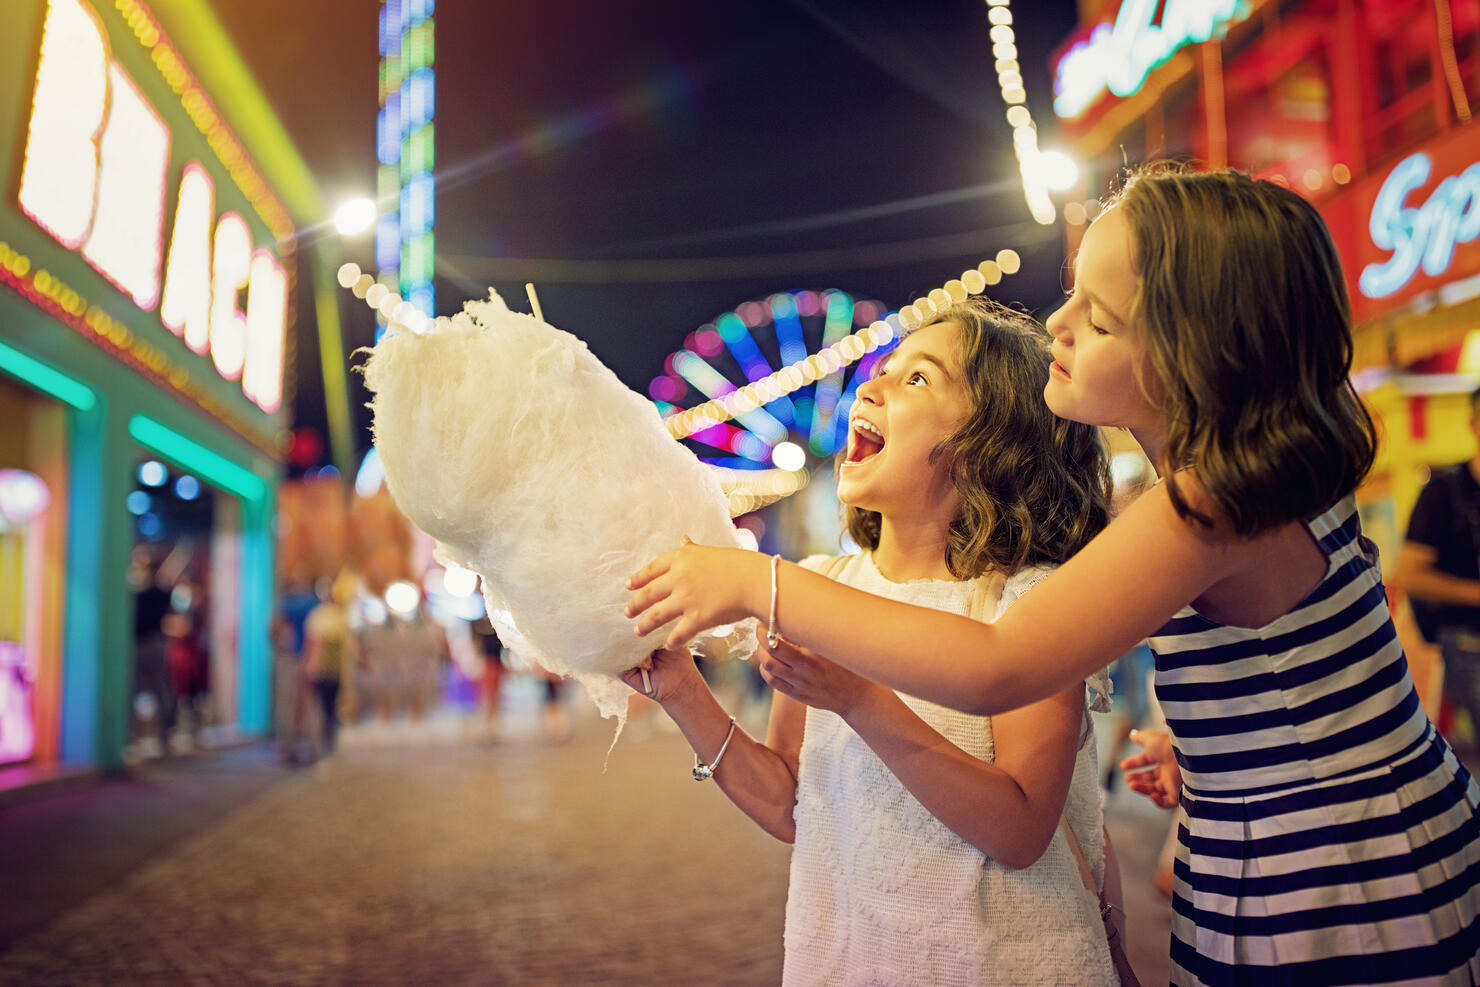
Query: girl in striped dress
x: 1327, y: 833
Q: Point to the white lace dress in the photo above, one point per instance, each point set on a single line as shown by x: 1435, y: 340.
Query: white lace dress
x: 883, y: 893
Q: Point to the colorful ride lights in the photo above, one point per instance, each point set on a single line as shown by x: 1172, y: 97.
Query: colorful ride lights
x: 1419, y: 236
x: 747, y: 403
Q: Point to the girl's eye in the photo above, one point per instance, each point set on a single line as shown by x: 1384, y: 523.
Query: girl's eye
x: 917, y: 376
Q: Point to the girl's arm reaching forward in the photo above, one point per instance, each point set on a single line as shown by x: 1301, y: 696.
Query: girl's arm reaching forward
x: 1007, y: 808
x: 1140, y: 570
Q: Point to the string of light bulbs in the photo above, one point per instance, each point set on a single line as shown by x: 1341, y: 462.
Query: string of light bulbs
x: 1024, y: 131
x: 828, y: 360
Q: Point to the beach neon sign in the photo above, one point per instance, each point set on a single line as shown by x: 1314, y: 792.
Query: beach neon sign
x: 94, y: 177
x: 1419, y: 236
x: 1118, y: 58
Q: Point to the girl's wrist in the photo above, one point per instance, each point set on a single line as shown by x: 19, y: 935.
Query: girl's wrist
x: 864, y: 705
x: 758, y: 604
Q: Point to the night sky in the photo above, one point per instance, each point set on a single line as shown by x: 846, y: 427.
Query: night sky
x: 651, y: 164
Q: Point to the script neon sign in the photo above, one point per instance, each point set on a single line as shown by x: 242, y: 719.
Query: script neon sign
x: 1424, y: 236
x: 1118, y: 58
x: 94, y: 177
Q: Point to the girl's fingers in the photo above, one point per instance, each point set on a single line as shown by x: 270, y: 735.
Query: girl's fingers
x: 645, y: 598
x: 1136, y: 761
x: 778, y: 683
x: 683, y: 632
x: 653, y: 618
x: 649, y: 572
x: 776, y: 657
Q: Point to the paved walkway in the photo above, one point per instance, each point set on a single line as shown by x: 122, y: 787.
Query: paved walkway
x: 429, y: 858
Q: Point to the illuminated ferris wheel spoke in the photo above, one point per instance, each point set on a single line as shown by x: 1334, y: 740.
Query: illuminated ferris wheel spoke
x: 839, y: 322
x: 693, y: 368
x: 736, y: 334
x: 790, y: 339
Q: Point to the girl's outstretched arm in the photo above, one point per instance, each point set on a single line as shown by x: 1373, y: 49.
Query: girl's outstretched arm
x: 761, y: 779
x: 1007, y: 808
x: 1118, y: 590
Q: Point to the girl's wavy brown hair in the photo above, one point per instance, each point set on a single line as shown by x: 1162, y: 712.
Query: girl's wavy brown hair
x: 1247, y: 324
x: 1034, y: 488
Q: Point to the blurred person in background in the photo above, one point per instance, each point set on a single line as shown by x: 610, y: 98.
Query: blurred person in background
x: 329, y: 646
x: 189, y: 671
x: 151, y: 683
x: 489, y: 648
x: 404, y: 651
x: 554, y: 719
x: 1439, y: 568
x: 292, y: 688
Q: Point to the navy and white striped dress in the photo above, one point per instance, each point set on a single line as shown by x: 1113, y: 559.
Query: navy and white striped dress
x: 1327, y: 834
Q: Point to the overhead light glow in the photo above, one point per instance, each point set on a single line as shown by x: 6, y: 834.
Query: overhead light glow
x: 1059, y: 170
x: 354, y: 216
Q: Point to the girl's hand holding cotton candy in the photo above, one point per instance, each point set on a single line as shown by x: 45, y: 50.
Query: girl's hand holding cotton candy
x: 698, y: 587
x: 530, y: 463
x: 672, y: 677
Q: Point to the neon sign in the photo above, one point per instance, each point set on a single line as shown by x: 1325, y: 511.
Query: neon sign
x: 1119, y: 58
x: 94, y: 177
x: 1423, y: 236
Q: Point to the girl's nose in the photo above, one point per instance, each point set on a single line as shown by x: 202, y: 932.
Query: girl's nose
x: 869, y: 390
x: 1058, y: 324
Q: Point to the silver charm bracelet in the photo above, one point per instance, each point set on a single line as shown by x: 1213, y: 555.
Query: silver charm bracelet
x: 702, y: 771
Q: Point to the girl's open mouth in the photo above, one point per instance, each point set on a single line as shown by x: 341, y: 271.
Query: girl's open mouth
x: 864, y: 442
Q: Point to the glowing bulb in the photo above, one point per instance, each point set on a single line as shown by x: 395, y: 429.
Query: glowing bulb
x: 788, y: 456
x: 402, y: 597
x: 354, y: 216
x: 152, y: 473
x: 1058, y: 170
x: 458, y: 581
x: 1009, y: 261
x: 348, y: 275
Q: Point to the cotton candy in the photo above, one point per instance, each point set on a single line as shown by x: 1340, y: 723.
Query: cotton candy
x: 530, y: 463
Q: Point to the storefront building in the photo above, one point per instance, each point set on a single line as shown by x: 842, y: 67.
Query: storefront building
x: 1362, y: 106
x: 149, y: 277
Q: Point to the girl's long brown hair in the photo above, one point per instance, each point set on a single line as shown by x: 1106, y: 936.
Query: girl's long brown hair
x: 1248, y: 331
x: 1033, y: 488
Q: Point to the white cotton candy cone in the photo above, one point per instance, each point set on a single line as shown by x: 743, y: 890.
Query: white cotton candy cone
x: 530, y: 463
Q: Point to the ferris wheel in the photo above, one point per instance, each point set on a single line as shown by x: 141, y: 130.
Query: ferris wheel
x: 784, y: 368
